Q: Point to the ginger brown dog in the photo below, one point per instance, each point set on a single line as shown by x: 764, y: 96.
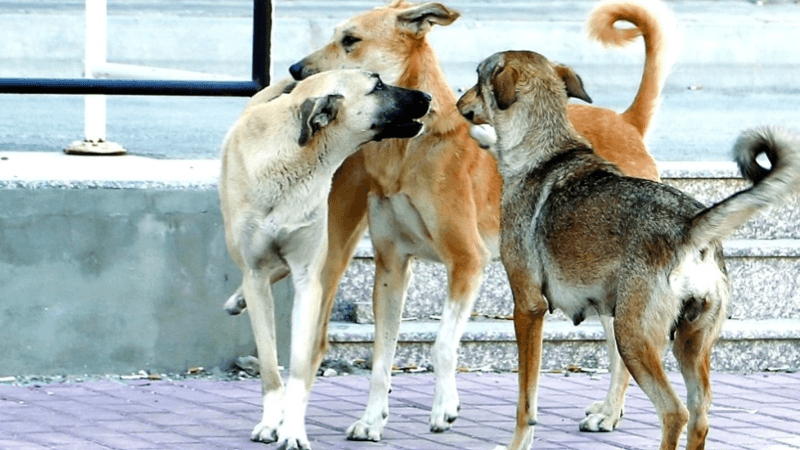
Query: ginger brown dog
x: 437, y: 196
x: 579, y: 236
x: 277, y: 163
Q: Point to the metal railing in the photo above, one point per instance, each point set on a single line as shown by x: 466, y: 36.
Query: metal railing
x: 139, y: 80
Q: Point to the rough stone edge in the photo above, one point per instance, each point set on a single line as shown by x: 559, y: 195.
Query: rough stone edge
x: 105, y: 184
x: 503, y: 331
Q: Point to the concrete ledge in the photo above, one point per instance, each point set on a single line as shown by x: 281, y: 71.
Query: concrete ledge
x: 113, y: 264
x: 745, y: 345
x: 765, y: 281
x: 39, y: 170
x: 554, y: 330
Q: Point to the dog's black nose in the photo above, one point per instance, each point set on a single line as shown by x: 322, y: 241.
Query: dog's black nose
x: 469, y: 115
x: 427, y: 96
x: 296, y: 70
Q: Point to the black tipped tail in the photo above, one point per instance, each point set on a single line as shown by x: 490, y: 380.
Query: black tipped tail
x: 771, y: 186
x: 779, y: 145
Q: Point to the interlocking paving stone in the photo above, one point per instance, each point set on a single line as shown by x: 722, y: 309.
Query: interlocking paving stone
x: 750, y: 411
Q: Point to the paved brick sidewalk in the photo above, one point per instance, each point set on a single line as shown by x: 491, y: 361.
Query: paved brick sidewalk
x: 758, y: 411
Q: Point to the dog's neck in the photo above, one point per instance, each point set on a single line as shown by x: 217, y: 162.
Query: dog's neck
x: 423, y: 72
x: 532, y: 134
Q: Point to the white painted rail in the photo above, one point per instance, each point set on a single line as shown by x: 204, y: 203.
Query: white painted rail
x: 97, y: 66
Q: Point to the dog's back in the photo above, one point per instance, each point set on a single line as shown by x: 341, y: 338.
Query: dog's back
x: 591, y: 225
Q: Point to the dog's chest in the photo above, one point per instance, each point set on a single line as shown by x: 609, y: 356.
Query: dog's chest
x: 396, y: 225
x: 386, y: 163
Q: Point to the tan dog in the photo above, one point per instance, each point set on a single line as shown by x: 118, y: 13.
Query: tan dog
x: 620, y: 137
x: 437, y: 196
x: 579, y: 236
x: 277, y: 165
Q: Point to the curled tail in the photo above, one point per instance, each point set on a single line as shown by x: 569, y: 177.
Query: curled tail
x: 770, y: 186
x: 655, y: 22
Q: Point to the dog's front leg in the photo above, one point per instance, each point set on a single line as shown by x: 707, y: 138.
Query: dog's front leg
x: 606, y: 415
x: 262, y: 320
x: 530, y: 308
x: 465, y: 274
x: 392, y: 276
x: 305, y: 264
x: 528, y: 329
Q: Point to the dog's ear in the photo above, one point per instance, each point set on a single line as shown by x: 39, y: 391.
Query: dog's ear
x: 572, y: 82
x: 315, y: 114
x: 504, y: 86
x: 422, y: 18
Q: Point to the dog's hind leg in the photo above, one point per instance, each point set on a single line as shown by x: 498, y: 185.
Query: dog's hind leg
x: 642, y: 334
x: 257, y: 288
x: 392, y: 276
x: 606, y: 415
x: 465, y: 272
x: 692, y: 349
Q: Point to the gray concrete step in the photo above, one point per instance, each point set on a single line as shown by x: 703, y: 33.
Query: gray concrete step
x: 744, y: 346
x: 763, y: 260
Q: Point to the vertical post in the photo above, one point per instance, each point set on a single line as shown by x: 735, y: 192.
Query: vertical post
x: 95, y: 55
x: 94, y: 110
x: 262, y: 35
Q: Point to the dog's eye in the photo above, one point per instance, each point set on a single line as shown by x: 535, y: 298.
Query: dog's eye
x: 349, y: 41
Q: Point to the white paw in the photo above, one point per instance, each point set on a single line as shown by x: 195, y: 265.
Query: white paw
x: 366, y: 430
x: 235, y: 303
x: 600, y: 417
x: 444, y: 413
x: 595, y: 408
x: 484, y: 134
x: 264, y: 432
x: 271, y: 418
x: 294, y: 444
x: 292, y: 431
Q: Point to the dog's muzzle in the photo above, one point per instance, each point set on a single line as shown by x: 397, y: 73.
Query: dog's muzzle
x: 300, y: 71
x: 399, y: 119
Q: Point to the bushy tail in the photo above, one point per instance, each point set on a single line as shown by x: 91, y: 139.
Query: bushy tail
x: 656, y: 23
x: 770, y: 186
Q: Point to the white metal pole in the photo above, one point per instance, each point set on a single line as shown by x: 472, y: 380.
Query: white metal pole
x: 94, y: 108
x: 95, y: 55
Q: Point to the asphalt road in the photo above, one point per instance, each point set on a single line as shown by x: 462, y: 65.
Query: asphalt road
x: 692, y: 125
x: 747, y: 77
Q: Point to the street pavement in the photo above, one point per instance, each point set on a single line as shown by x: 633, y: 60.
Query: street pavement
x: 752, y: 411
x: 737, y: 68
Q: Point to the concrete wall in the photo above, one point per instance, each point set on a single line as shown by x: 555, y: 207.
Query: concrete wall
x: 116, y: 280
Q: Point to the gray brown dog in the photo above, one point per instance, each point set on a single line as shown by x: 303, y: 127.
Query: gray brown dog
x: 277, y: 165
x: 579, y: 236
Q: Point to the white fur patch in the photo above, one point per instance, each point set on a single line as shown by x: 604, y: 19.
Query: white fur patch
x: 484, y: 134
x: 696, y: 276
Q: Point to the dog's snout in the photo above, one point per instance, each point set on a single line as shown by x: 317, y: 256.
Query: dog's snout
x: 426, y: 96
x: 296, y: 70
x: 469, y: 115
